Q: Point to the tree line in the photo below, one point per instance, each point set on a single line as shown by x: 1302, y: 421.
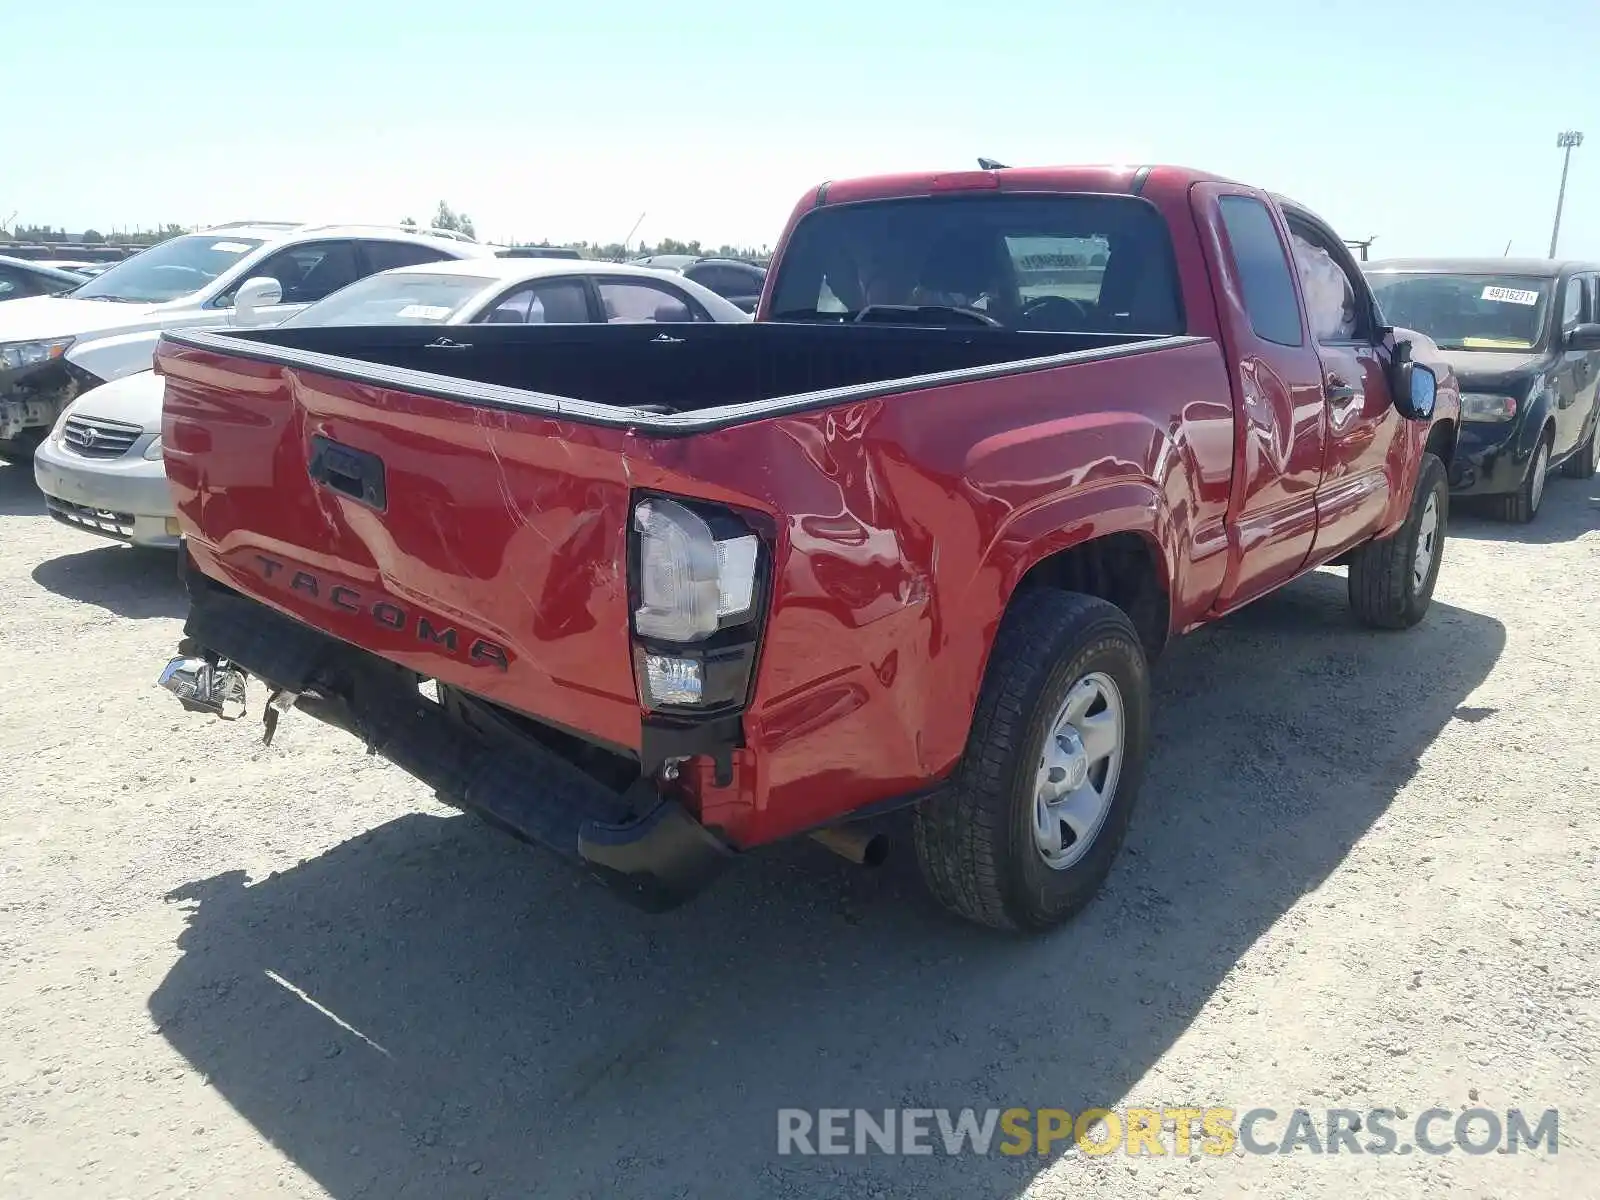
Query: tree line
x: 90, y: 237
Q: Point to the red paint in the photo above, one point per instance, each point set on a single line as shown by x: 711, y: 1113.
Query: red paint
x: 902, y: 524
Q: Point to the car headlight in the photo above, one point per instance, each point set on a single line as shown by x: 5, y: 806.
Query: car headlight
x: 697, y: 580
x: 153, y: 450
x: 14, y: 355
x: 1483, y: 406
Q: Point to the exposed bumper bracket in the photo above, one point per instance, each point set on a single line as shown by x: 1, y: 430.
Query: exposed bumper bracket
x: 646, y: 847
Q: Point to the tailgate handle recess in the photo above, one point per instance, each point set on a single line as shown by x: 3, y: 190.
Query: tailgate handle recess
x: 348, y: 471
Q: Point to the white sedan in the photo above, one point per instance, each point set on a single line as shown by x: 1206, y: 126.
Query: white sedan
x: 101, y: 470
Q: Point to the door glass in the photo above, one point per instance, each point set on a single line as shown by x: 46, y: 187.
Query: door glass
x: 1263, y: 270
x: 633, y: 301
x: 385, y: 256
x: 1572, y: 308
x: 311, y: 271
x: 1328, y: 289
x: 548, y: 302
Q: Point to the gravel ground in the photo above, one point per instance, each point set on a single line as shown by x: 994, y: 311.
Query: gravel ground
x: 1363, y: 875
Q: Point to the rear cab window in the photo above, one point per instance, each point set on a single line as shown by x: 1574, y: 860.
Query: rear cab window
x: 1059, y: 263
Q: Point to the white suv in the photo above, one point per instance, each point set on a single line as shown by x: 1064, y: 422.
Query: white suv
x: 256, y: 272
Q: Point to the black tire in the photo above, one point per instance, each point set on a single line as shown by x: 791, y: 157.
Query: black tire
x: 18, y: 451
x: 1384, y: 589
x: 1522, y: 505
x: 1581, y: 465
x: 975, y: 839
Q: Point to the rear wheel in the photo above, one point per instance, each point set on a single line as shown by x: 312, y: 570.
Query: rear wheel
x: 1028, y: 827
x: 1581, y: 464
x: 1392, y: 579
x: 1522, y: 505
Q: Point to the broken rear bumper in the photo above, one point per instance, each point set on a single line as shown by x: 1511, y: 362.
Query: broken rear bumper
x: 643, y: 845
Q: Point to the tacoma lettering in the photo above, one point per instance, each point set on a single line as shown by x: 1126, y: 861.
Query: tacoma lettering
x: 481, y: 652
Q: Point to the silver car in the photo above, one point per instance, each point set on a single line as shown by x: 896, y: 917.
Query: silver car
x: 101, y: 468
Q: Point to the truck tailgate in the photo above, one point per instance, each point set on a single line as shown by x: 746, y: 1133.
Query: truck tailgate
x: 481, y: 547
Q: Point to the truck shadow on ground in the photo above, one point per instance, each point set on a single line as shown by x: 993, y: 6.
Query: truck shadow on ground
x: 19, y: 495
x: 431, y: 1009
x: 134, y: 583
x: 1571, y: 508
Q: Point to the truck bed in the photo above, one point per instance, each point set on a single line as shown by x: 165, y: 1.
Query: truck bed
x: 471, y: 522
x: 590, y: 371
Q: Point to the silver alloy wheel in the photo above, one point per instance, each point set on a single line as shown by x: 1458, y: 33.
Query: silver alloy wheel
x: 1541, y: 464
x: 1427, y: 542
x: 1078, y: 770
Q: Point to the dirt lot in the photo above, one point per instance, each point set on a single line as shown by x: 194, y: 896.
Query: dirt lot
x: 1364, y: 874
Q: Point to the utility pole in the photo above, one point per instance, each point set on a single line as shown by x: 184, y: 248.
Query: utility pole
x: 1566, y: 142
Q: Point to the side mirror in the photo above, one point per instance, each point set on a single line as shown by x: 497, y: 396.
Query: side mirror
x: 253, y: 294
x: 1415, y: 390
x: 1582, y: 337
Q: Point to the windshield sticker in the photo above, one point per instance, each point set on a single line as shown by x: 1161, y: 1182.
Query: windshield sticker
x: 1510, y: 296
x: 424, y: 312
x: 230, y: 247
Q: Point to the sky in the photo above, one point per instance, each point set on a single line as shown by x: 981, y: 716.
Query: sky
x: 1434, y: 131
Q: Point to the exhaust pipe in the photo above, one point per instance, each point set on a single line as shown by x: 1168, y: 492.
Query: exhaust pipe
x: 864, y: 848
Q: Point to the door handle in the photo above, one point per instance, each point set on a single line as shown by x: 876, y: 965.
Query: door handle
x: 349, y: 471
x: 1340, y: 393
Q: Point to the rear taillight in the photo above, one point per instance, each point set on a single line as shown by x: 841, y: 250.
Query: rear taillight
x: 698, y: 576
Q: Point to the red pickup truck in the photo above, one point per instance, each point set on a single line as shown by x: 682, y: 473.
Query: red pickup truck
x: 655, y: 595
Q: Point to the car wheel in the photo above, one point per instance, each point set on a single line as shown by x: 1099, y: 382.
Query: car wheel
x: 1027, y: 828
x: 1581, y: 465
x: 1522, y: 505
x: 1392, y: 579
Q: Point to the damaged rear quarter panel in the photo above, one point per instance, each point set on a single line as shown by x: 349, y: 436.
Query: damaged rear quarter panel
x: 903, y: 525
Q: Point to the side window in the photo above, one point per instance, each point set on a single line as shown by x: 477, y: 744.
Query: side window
x: 1263, y: 270
x: 634, y: 300
x: 310, y: 271
x: 1331, y: 292
x: 548, y: 302
x: 385, y: 256
x: 1572, y: 308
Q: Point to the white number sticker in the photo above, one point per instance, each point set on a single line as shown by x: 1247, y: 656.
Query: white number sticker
x: 230, y: 247
x: 424, y: 312
x: 1510, y: 295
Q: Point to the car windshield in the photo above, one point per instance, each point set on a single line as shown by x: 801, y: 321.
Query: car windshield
x: 394, y: 298
x: 1465, y: 312
x: 1066, y: 263
x: 177, y: 267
